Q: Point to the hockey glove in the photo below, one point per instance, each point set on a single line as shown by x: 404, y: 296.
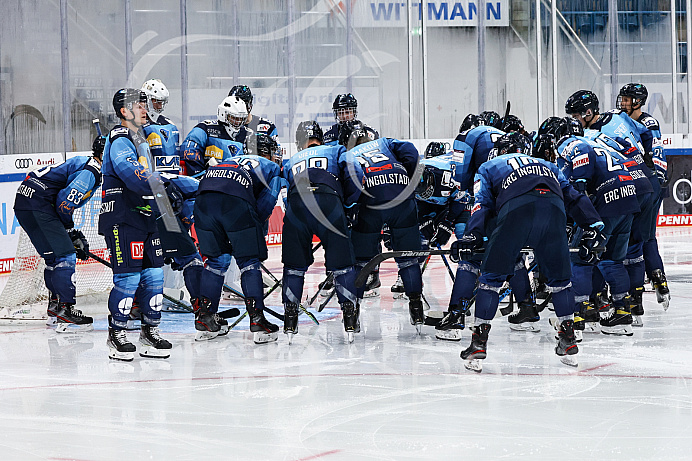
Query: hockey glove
x: 427, y: 227
x: 81, y: 245
x: 143, y: 210
x: 352, y: 215
x: 591, y: 245
x: 442, y: 234
x: 175, y: 196
x: 464, y: 247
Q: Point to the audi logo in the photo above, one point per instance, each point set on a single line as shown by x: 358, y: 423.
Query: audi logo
x: 23, y: 163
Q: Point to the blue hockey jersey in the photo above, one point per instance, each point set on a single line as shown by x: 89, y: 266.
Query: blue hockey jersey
x: 60, y: 188
x: 447, y: 192
x: 471, y: 149
x: 607, y: 181
x: 331, y: 136
x: 163, y: 138
x: 127, y: 197
x: 327, y: 165
x: 619, y: 126
x: 255, y: 179
x: 209, y: 139
x: 653, y: 145
x: 388, y: 165
x: 508, y: 176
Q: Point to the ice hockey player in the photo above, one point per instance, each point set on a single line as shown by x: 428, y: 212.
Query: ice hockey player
x: 345, y: 107
x: 472, y: 146
x: 597, y: 174
x: 387, y: 198
x: 321, y: 184
x: 254, y: 123
x: 235, y: 199
x: 529, y: 196
x: 631, y: 100
x: 44, y: 205
x: 161, y: 133
x: 215, y: 141
x: 128, y: 223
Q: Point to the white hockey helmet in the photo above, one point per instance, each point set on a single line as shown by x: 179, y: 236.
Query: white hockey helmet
x: 157, y: 97
x: 232, y: 113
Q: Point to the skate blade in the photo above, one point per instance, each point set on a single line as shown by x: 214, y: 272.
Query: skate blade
x: 290, y: 337
x: 452, y: 334
x: 114, y: 354
x: 419, y: 329
x: 206, y: 335
x: 663, y: 300
x: 52, y: 321
x: 260, y: 337
x: 569, y: 360
x: 524, y: 327
x: 592, y: 327
x: 73, y: 327
x: 372, y: 293
x: 154, y: 353
x: 554, y: 322
x: 618, y: 330
x: 224, y: 330
x: 637, y: 321
x: 350, y: 336
x: 578, y: 335
x: 474, y: 365
x: 399, y: 296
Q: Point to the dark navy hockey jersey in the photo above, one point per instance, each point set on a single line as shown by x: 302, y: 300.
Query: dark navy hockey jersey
x: 327, y: 165
x: 210, y: 140
x: 252, y: 178
x: 388, y: 165
x: 653, y: 145
x: 60, y: 188
x: 471, y: 149
x: 447, y: 192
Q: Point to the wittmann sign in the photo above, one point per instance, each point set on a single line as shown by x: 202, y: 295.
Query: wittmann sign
x: 438, y: 13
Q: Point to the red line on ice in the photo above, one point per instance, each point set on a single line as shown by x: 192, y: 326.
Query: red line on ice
x: 319, y: 455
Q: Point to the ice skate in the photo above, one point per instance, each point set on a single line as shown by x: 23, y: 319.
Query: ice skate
x: 602, y: 303
x: 351, y: 320
x: 70, y: 320
x: 134, y: 322
x: 618, y: 321
x: 372, y: 285
x: 262, y: 330
x: 119, y: 347
x: 205, y: 322
x: 152, y: 344
x: 450, y: 326
x: 398, y: 289
x: 637, y: 306
x: 52, y: 310
x: 567, y: 343
x: 415, y: 309
x: 591, y: 318
x: 290, y: 320
x: 476, y: 352
x: 526, y: 318
x: 658, y: 278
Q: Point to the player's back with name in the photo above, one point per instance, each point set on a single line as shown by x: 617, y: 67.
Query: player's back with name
x: 511, y: 175
x: 387, y: 165
x: 39, y: 190
x: 243, y: 176
x: 317, y: 165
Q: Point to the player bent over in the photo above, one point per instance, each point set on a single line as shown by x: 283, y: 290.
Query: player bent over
x: 388, y: 165
x: 128, y: 223
x: 44, y: 205
x: 321, y: 181
x: 235, y: 199
x: 528, y: 195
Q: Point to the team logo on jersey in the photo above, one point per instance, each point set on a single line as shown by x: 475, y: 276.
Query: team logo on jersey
x: 214, y: 152
x: 167, y: 163
x: 137, y: 250
x: 165, y: 134
x: 154, y: 140
x: 263, y: 127
x: 580, y: 161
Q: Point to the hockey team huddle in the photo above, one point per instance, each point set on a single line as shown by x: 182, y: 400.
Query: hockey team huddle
x: 570, y: 208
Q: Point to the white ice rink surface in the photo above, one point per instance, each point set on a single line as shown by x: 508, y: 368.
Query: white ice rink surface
x: 390, y: 395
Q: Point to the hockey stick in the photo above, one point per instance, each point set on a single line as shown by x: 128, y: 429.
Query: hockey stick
x: 302, y: 308
x: 266, y: 309
x: 507, y: 109
x: 329, y: 278
x: 97, y: 124
x: 449, y: 269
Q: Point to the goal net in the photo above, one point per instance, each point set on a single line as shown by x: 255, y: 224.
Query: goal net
x: 25, y: 297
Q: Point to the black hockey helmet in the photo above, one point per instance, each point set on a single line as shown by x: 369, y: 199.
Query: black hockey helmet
x: 345, y: 105
x: 559, y: 128
x: 575, y: 128
x: 126, y: 97
x: 352, y: 134
x: 511, y: 123
x: 581, y: 101
x: 306, y: 131
x: 434, y: 149
x: 97, y: 146
x: 544, y: 147
x: 263, y: 145
x: 244, y: 93
x: 636, y: 91
x: 470, y: 121
x: 426, y: 186
x: 490, y: 118
x: 512, y: 143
